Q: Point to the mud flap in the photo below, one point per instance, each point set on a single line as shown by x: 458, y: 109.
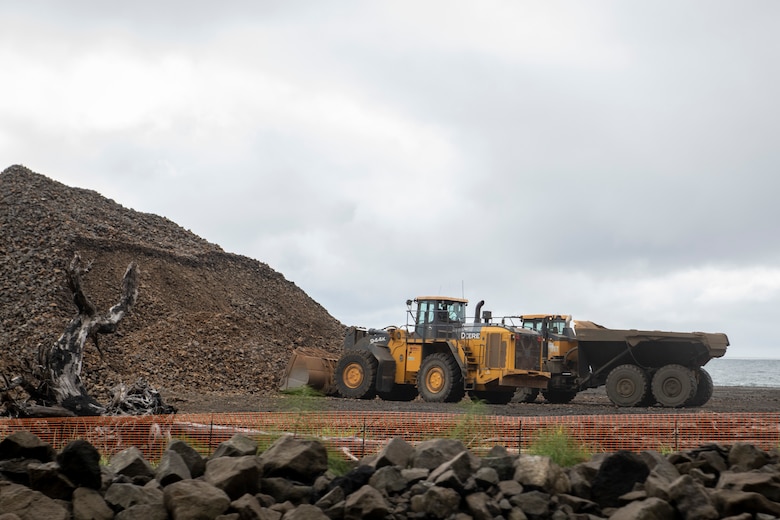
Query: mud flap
x: 385, y: 374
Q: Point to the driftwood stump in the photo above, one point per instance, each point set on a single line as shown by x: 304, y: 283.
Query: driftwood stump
x: 54, y: 382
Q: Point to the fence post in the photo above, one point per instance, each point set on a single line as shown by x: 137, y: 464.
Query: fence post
x: 363, y: 448
x: 676, y: 436
x: 519, y: 436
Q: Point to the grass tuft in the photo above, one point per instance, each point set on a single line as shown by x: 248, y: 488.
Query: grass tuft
x: 558, y: 444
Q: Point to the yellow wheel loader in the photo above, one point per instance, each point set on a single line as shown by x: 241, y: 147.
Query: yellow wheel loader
x: 439, y: 355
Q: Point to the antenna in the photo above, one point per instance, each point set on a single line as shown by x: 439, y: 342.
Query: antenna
x: 462, y: 290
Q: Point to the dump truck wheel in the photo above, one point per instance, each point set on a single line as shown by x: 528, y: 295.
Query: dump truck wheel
x: 558, y: 396
x: 440, y: 380
x: 527, y: 395
x: 674, y: 385
x: 399, y: 393
x: 704, y: 388
x: 356, y: 375
x: 627, y: 385
x: 492, y: 396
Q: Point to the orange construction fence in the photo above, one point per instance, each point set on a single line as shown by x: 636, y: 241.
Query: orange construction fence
x: 356, y: 434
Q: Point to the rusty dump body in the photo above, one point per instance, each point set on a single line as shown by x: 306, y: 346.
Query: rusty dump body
x: 602, y: 349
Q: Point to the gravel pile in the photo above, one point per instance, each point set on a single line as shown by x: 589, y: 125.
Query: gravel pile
x: 206, y: 321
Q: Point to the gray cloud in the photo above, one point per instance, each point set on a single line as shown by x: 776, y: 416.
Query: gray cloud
x: 615, y: 162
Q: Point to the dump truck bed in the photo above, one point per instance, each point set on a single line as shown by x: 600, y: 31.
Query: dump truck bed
x: 603, y: 349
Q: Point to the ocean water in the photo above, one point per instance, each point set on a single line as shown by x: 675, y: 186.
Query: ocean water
x: 744, y: 372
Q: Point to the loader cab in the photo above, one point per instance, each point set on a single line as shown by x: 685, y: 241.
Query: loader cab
x: 436, y: 316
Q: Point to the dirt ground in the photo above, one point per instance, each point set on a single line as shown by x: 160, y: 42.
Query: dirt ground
x: 590, y: 402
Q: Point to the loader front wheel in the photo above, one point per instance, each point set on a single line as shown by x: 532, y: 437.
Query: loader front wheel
x: 674, y: 385
x: 492, y: 396
x: 627, y: 385
x: 356, y: 375
x: 440, y: 380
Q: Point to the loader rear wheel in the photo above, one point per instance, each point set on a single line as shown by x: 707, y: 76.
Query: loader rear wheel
x: 704, y: 389
x: 558, y: 396
x: 399, y: 393
x: 492, y: 396
x: 527, y: 395
x: 356, y: 375
x: 627, y: 385
x: 440, y: 380
x: 674, y: 385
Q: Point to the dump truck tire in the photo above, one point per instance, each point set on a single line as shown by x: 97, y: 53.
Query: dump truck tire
x: 356, y: 375
x: 527, y: 395
x: 440, y: 380
x: 627, y: 385
x: 492, y: 396
x: 704, y: 388
x: 399, y: 393
x: 674, y: 385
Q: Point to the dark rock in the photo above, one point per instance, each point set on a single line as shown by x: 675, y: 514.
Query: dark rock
x: 397, y: 453
x: 131, y: 463
x: 194, y: 461
x: 24, y: 445
x: 542, y: 473
x: 237, y: 446
x: 47, y: 479
x: 298, y: 459
x: 648, y: 509
x: 692, y: 500
x: 482, y: 507
x: 617, y: 475
x: 365, y: 503
x: 143, y: 512
x: 436, y: 502
x: 192, y: 499
x: 88, y: 504
x: 234, y: 475
x: 80, y: 462
x: 172, y: 468
x: 388, y: 480
x: 433, y: 453
x: 744, y: 457
x: 29, y: 504
x: 122, y: 496
x: 284, y: 490
x: 305, y: 512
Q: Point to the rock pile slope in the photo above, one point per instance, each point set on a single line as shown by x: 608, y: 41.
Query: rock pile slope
x: 206, y: 321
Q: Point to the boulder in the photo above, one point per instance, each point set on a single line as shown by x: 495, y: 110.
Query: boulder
x: 433, y: 453
x: 172, y: 468
x: 28, y: 504
x: 396, y: 452
x: 234, y: 475
x: 194, y: 461
x: 365, y: 503
x: 88, y: 504
x: 131, y: 463
x: 298, y: 459
x: 617, y: 475
x: 649, y: 509
x: 24, y: 445
x: 194, y: 500
x: 692, y: 500
x: 80, y: 462
x: 237, y: 446
x: 537, y: 471
x: 436, y: 502
x: 124, y: 495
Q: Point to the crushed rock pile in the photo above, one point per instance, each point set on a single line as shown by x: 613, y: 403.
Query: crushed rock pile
x: 206, y: 321
x: 437, y: 478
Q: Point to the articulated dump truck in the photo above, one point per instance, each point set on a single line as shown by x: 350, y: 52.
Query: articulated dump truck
x: 441, y: 356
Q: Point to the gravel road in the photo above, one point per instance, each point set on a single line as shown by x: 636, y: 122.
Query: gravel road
x: 590, y: 402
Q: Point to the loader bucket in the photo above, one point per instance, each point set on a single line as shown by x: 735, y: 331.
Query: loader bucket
x: 310, y: 367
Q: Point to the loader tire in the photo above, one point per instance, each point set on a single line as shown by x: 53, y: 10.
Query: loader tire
x: 399, y: 393
x: 704, y: 388
x: 558, y: 396
x: 674, y: 385
x: 627, y: 385
x: 440, y: 379
x: 356, y: 375
x: 492, y: 396
x: 527, y: 395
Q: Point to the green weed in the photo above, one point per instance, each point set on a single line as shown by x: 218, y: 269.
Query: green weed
x: 558, y: 444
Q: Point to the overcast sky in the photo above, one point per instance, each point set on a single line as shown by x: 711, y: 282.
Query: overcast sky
x: 617, y: 161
